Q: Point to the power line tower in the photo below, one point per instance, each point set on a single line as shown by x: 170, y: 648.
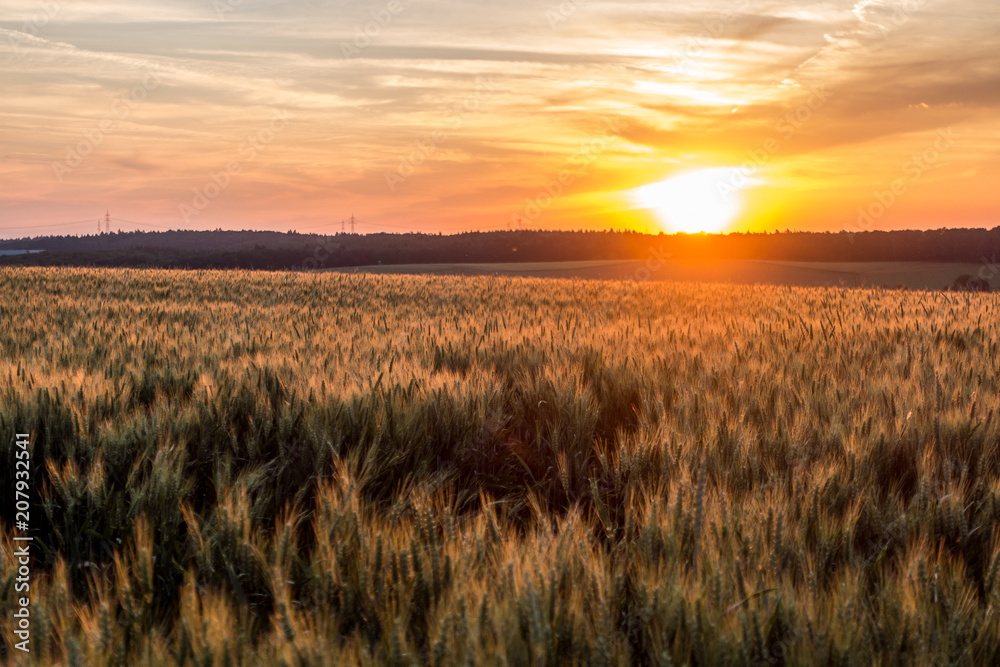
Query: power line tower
x: 343, y: 230
x: 352, y: 223
x: 98, y: 225
x: 107, y: 221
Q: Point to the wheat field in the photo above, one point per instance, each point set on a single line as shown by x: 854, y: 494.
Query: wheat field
x: 295, y: 469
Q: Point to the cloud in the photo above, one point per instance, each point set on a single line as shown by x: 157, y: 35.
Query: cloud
x: 702, y: 82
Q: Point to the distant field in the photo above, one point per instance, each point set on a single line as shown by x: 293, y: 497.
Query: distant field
x: 913, y: 275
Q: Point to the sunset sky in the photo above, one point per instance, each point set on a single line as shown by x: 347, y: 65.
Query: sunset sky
x: 454, y: 115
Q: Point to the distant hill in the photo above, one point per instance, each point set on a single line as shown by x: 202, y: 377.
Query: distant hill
x: 276, y: 250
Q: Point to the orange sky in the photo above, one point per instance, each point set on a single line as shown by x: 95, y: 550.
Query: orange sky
x: 453, y: 115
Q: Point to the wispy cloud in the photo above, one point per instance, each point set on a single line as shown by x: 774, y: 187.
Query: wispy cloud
x: 695, y: 85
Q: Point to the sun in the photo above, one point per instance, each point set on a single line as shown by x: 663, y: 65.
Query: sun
x: 705, y: 200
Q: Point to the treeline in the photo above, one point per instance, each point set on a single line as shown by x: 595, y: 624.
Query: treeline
x: 274, y: 250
